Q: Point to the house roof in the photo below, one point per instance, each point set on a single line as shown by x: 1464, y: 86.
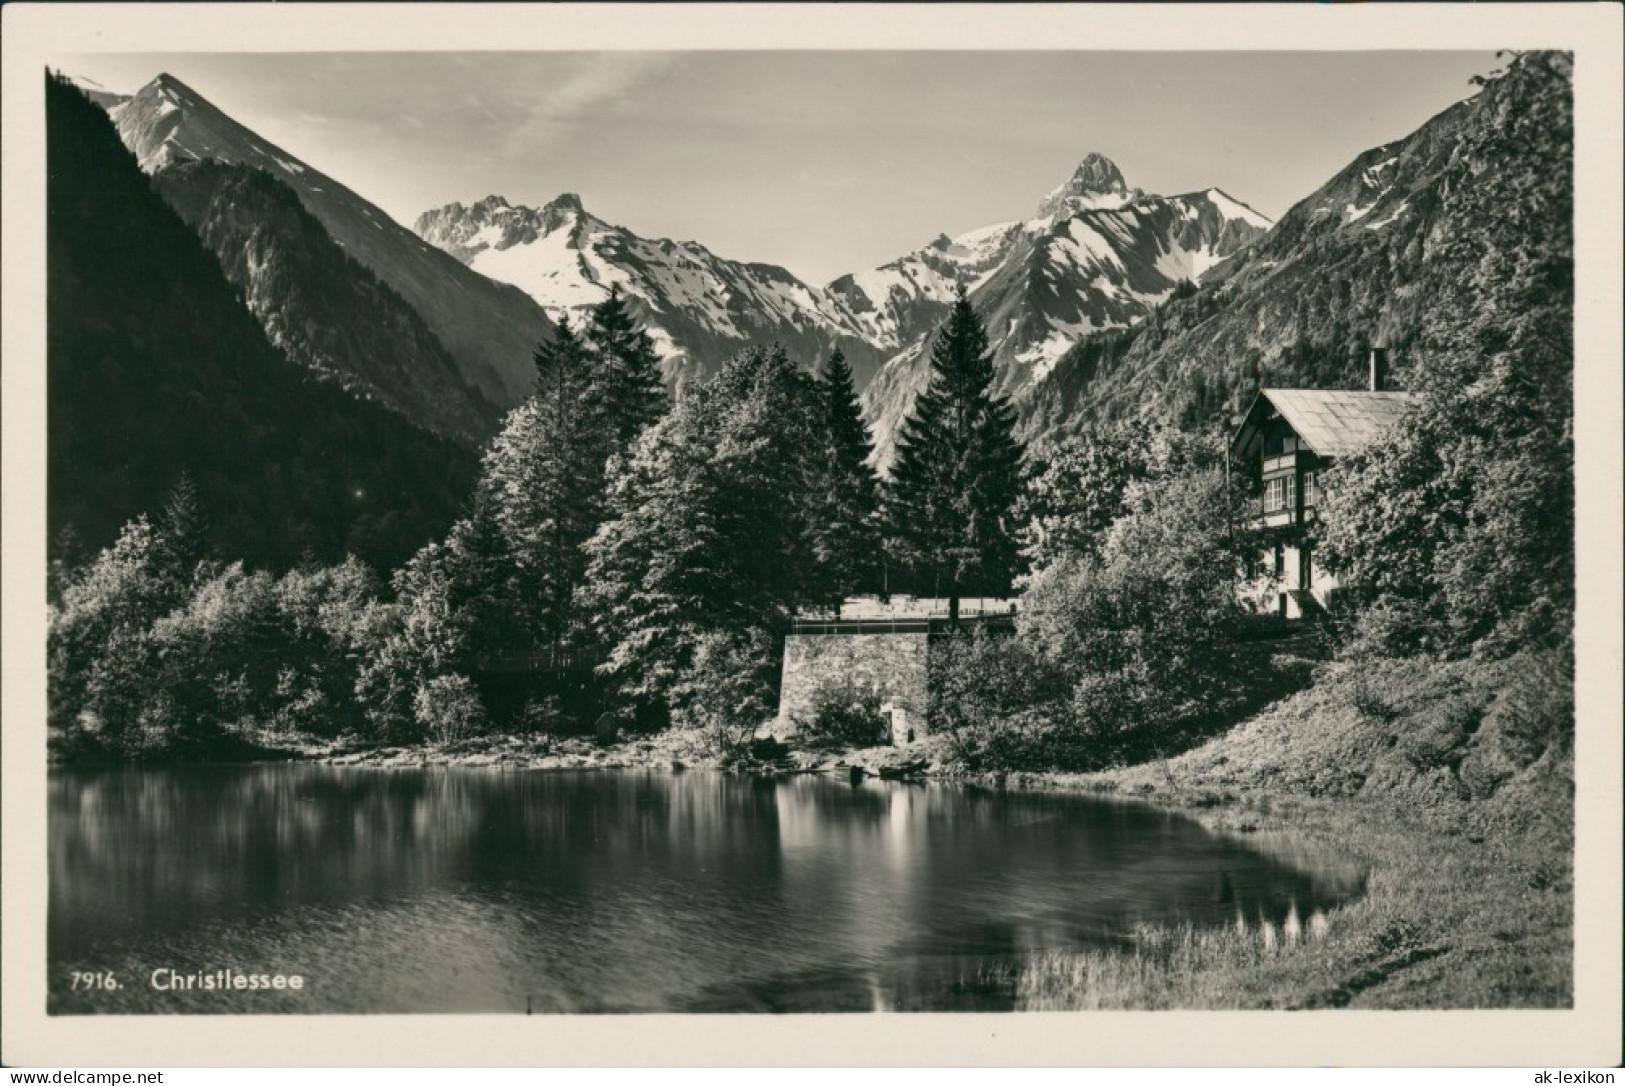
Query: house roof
x: 1331, y: 421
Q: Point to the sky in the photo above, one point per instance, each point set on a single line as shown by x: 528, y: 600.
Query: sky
x: 822, y: 162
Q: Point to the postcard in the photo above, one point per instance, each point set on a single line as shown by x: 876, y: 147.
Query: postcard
x: 812, y: 534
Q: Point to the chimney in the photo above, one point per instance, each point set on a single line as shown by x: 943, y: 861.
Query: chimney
x: 1379, y: 369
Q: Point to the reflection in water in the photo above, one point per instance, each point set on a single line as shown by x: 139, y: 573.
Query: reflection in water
x: 475, y: 890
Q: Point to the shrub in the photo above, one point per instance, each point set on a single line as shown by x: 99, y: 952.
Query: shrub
x: 729, y: 690
x: 448, y: 708
x: 999, y: 705
x: 1387, y: 629
x: 155, y: 653
x: 844, y: 716
x: 1369, y: 701
x: 1531, y: 714
x: 1114, y: 652
x: 1437, y: 735
x: 1536, y: 708
x: 387, y: 680
x: 544, y: 714
x: 100, y: 630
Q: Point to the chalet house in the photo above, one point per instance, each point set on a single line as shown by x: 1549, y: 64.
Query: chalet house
x: 1287, y: 438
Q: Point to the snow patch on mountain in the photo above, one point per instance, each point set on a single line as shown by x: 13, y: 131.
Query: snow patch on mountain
x: 1231, y: 208
x: 1041, y: 356
x: 1399, y: 209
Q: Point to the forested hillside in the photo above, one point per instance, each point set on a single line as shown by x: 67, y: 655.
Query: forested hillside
x: 673, y: 550
x: 157, y: 370
x: 321, y: 308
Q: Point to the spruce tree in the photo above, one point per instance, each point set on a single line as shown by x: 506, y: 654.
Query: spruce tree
x: 544, y: 482
x: 184, y: 528
x: 950, y: 505
x: 630, y: 389
x: 844, y: 521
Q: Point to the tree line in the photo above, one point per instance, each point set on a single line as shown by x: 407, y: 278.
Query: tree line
x: 666, y: 545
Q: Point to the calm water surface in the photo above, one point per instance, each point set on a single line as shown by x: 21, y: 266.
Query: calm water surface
x: 489, y: 891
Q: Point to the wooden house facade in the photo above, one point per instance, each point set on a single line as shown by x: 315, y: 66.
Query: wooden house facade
x: 1285, y: 442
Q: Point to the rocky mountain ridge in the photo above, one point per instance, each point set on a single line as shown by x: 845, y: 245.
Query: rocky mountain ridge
x: 698, y: 307
x: 1099, y: 254
x: 158, y: 373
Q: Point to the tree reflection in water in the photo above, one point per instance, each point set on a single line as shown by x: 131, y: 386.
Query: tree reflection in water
x: 481, y: 890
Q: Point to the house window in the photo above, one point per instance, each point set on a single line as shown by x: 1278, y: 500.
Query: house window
x: 1291, y: 492
x: 1311, y: 489
x: 1275, y: 495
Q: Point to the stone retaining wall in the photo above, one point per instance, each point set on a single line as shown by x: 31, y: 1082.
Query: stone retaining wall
x: 890, y: 664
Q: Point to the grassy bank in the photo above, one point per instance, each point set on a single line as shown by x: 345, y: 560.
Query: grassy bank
x: 1450, y: 783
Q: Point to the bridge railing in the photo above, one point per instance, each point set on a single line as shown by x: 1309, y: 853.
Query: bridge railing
x: 921, y: 624
x: 535, y: 661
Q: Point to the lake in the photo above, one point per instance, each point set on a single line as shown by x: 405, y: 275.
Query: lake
x: 478, y: 890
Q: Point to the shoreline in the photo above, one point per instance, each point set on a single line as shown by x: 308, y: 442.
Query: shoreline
x: 1467, y: 903
x: 1455, y: 914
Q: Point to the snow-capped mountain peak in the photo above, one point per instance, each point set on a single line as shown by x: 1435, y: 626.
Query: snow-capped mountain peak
x: 1101, y: 254
x: 1231, y: 208
x: 698, y: 307
x: 1097, y: 183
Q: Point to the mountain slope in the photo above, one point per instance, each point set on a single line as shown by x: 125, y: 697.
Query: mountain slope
x: 1351, y: 265
x: 488, y: 328
x: 698, y: 307
x: 322, y: 309
x: 155, y: 369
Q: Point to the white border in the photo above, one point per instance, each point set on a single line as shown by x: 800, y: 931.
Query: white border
x: 1586, y: 1035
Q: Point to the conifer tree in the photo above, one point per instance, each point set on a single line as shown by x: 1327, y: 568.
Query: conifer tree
x: 708, y: 527
x: 950, y: 505
x: 544, y: 481
x: 630, y: 389
x: 183, y: 539
x: 844, y: 521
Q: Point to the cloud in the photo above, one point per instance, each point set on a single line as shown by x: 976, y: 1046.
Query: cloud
x: 600, y: 86
x: 606, y: 78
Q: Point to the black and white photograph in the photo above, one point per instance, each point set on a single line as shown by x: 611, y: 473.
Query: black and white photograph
x: 638, y: 528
